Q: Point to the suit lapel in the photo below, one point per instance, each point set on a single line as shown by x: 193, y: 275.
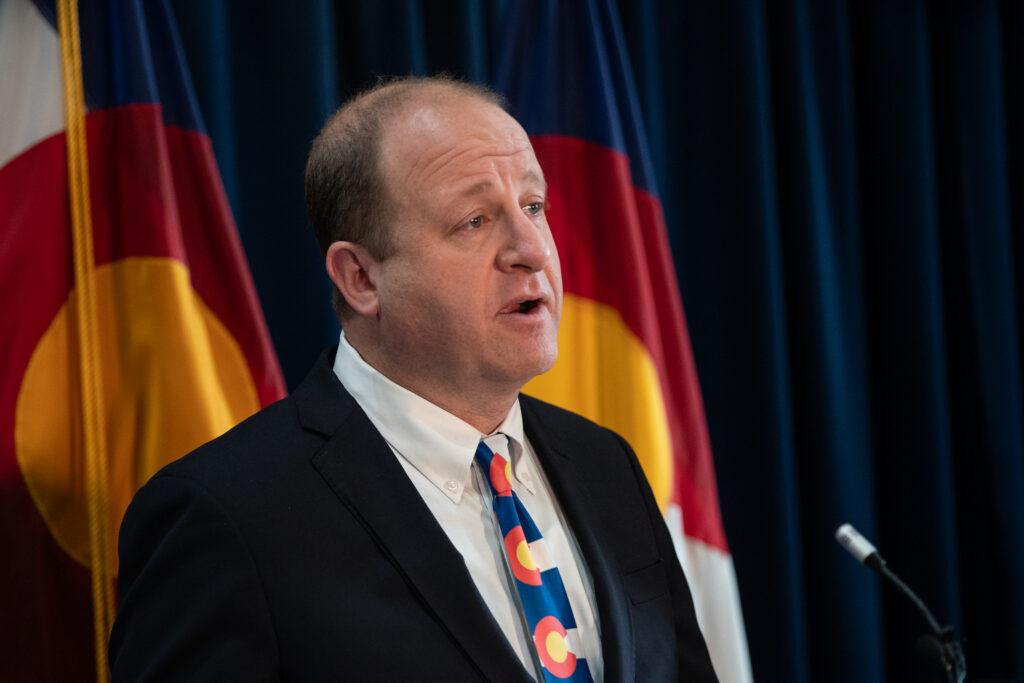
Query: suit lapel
x: 363, y: 472
x: 561, y: 468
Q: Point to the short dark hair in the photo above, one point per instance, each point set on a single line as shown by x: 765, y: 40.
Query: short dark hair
x: 346, y: 196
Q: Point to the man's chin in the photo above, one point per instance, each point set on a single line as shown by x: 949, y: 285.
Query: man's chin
x: 521, y: 366
x: 547, y: 363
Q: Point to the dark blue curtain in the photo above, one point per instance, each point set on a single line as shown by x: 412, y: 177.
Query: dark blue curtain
x: 843, y: 188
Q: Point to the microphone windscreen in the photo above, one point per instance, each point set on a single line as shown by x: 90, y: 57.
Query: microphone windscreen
x: 855, y: 544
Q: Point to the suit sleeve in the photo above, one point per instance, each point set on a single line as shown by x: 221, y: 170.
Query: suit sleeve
x: 694, y: 659
x: 191, y: 606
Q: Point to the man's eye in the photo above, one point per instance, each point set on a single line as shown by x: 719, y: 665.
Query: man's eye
x: 533, y: 208
x: 475, y: 222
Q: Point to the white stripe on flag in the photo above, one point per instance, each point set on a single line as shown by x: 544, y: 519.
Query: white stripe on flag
x: 31, y: 94
x: 716, y: 599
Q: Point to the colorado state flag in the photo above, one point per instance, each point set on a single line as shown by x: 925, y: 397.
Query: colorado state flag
x: 624, y: 352
x: 132, y: 332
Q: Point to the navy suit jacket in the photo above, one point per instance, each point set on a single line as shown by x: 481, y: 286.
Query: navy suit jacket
x: 295, y: 547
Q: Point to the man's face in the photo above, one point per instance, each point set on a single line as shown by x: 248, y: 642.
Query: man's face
x: 472, y: 294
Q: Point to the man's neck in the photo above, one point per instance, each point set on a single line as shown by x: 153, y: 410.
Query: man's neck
x: 484, y: 409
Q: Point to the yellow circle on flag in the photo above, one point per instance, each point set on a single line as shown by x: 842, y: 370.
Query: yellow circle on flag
x: 173, y: 377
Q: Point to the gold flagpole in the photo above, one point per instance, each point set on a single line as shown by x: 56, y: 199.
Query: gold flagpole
x: 97, y: 495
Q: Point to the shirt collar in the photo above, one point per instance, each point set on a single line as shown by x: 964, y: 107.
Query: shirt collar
x: 438, y: 444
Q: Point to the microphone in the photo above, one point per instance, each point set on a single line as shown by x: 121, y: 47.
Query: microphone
x: 941, y: 654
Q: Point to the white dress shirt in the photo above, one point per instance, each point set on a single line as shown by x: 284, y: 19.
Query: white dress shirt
x: 436, y: 450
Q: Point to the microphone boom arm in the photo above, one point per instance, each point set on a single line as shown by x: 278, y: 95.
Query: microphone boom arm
x: 942, y: 651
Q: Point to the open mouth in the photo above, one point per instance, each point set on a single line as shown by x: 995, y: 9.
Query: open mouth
x: 523, y: 306
x: 528, y: 305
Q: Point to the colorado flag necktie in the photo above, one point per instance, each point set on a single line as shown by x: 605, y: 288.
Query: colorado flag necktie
x: 538, y: 582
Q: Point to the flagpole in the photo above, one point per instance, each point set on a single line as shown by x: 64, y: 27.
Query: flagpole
x: 85, y: 310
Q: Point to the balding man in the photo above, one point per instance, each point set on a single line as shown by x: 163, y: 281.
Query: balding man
x: 407, y: 514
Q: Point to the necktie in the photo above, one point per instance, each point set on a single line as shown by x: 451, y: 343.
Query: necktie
x: 538, y: 582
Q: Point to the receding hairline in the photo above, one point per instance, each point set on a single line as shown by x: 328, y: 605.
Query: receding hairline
x: 389, y: 101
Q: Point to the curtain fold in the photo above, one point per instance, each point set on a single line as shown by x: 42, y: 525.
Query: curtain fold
x: 905, y: 277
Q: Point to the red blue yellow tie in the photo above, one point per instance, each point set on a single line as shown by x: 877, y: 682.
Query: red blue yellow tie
x: 541, y: 591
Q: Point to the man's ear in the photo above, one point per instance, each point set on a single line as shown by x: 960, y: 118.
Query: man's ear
x: 354, y: 272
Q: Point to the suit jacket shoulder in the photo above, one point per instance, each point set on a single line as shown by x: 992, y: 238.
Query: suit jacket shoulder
x: 564, y: 425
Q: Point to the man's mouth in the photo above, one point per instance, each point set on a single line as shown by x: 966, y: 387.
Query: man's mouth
x: 528, y: 305
x: 522, y: 306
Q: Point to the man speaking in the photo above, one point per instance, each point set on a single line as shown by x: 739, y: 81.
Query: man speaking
x: 406, y: 514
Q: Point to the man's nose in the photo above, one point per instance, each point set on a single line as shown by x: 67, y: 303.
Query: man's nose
x: 527, y: 246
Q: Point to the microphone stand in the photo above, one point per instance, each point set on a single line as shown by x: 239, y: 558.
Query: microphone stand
x: 940, y: 651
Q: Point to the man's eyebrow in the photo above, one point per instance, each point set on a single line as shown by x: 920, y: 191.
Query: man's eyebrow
x: 533, y: 176
x: 478, y: 188
x: 485, y: 185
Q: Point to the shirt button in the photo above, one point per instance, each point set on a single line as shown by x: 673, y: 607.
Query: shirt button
x: 452, y: 485
x: 526, y: 476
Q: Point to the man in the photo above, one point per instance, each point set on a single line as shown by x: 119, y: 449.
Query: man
x: 405, y: 514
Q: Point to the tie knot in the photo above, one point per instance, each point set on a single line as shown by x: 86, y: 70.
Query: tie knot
x: 496, y: 466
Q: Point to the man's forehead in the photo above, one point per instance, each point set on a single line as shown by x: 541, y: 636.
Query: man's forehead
x: 433, y: 139
x: 438, y: 115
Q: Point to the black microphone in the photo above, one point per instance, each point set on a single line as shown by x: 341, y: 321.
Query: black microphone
x: 941, y: 654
